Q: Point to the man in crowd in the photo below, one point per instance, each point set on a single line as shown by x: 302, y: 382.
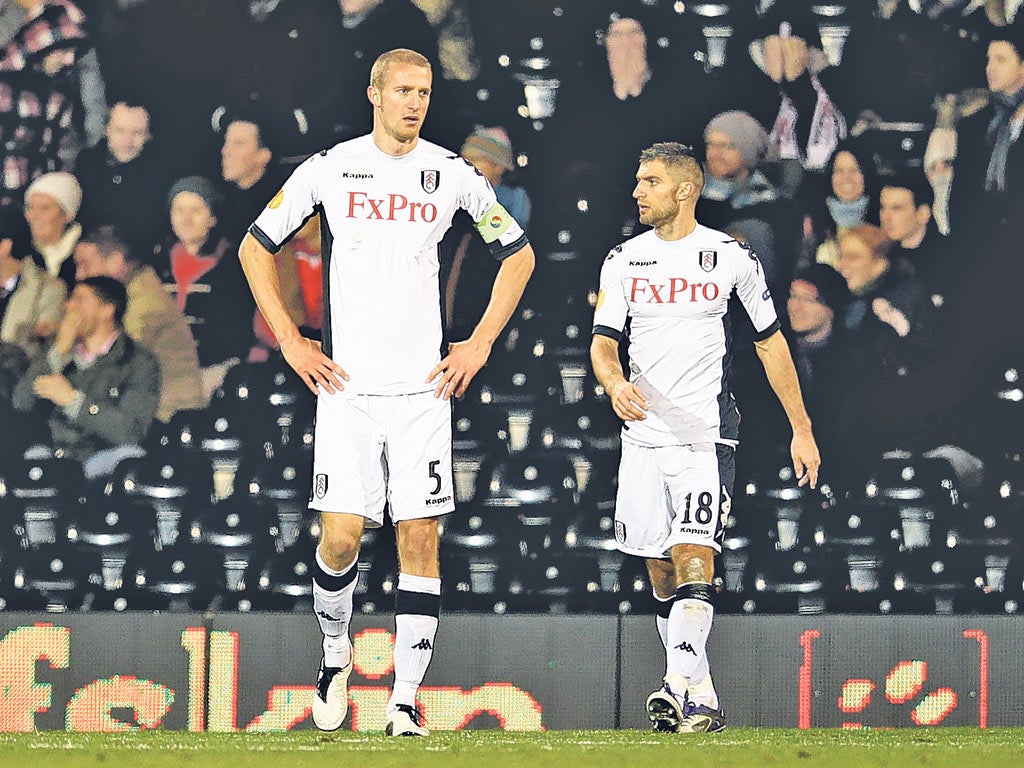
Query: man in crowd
x: 96, y: 388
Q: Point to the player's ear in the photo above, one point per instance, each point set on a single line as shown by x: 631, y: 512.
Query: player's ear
x: 373, y: 95
x: 685, y: 190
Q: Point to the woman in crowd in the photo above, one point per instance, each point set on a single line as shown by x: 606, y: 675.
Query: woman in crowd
x: 51, y: 205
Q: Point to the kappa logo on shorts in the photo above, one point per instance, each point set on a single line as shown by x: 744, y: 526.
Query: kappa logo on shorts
x: 320, y: 486
x: 430, y: 180
x: 620, y: 531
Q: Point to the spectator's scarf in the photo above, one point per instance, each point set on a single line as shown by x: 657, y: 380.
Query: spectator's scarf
x: 847, y: 213
x: 827, y: 129
x: 1000, y: 137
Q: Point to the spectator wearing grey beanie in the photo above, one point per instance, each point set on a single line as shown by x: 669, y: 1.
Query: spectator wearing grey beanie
x: 736, y: 189
x: 735, y: 146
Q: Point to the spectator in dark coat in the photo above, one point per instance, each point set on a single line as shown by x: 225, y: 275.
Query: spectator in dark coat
x: 122, y: 179
x: 96, y: 389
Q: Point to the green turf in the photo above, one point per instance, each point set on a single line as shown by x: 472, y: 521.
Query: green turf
x: 960, y: 747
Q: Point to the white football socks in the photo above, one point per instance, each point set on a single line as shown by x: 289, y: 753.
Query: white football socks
x: 332, y: 604
x: 417, y: 605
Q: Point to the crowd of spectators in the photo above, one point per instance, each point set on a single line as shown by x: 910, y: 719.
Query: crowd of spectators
x: 896, y: 321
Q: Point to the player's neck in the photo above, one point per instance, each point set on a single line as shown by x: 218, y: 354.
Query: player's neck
x: 390, y: 145
x: 678, y: 228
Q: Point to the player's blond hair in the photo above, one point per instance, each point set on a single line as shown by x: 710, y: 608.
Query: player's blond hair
x: 397, y: 56
x: 679, y: 160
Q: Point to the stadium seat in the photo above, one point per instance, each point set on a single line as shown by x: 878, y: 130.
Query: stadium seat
x: 901, y: 478
x: 239, y: 536
x: 472, y: 528
x: 116, y: 532
x: 549, y: 585
x: 289, y: 576
x: 38, y: 493
x: 271, y: 400
x: 521, y: 480
x: 934, y: 577
x: 178, y: 577
x: 283, y: 480
x: 172, y: 481
x: 853, y: 526
x: 784, y: 603
x: 786, y: 572
x: 479, y: 428
x: 59, y: 571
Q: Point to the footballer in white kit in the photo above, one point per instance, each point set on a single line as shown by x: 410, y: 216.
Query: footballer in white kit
x: 668, y: 290
x: 674, y: 297
x: 383, y: 219
x: 383, y: 383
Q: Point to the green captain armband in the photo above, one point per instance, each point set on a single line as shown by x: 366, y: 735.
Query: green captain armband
x: 495, y: 222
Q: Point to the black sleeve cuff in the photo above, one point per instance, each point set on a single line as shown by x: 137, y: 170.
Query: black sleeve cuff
x: 770, y: 330
x: 263, y: 240
x: 502, y: 252
x: 607, y: 330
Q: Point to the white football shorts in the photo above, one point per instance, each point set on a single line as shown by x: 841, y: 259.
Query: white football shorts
x: 677, y: 494
x: 372, y: 449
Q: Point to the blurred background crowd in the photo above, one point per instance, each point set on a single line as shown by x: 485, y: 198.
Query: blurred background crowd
x: 866, y: 151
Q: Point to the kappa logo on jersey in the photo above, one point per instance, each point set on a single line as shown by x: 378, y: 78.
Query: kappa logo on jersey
x: 708, y: 260
x: 430, y: 181
x: 320, y: 486
x: 642, y: 263
x: 676, y: 291
x: 394, y: 207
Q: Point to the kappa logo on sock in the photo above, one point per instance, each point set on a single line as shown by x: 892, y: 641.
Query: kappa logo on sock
x: 423, y: 645
x: 326, y: 616
x: 686, y: 648
x: 320, y: 486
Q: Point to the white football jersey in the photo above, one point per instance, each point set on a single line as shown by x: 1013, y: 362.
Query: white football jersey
x: 382, y: 219
x: 671, y: 298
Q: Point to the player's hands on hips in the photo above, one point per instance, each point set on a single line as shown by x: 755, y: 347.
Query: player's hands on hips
x: 309, y: 361
x: 806, y: 459
x: 628, y: 402
x: 458, y: 367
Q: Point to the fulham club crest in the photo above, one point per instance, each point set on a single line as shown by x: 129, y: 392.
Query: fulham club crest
x: 708, y: 260
x: 320, y: 486
x: 430, y: 180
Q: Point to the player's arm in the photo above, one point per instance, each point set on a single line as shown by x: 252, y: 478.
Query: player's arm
x: 778, y: 365
x: 627, y: 401
x: 466, y: 358
x: 302, y: 354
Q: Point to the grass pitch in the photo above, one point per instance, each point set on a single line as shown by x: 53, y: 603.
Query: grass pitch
x: 960, y: 747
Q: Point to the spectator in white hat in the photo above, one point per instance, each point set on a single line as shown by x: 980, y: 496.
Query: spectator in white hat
x: 51, y: 205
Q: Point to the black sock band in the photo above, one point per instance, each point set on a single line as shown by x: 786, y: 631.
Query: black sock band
x: 697, y: 591
x: 331, y: 583
x: 664, y: 607
x: 419, y: 603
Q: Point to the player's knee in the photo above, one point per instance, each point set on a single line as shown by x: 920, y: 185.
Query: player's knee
x: 694, y: 569
x: 339, y: 548
x: 693, y: 564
